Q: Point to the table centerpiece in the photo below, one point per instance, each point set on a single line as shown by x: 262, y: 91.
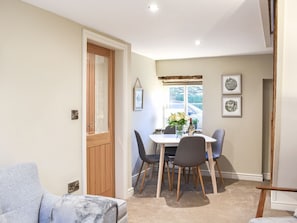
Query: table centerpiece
x: 178, y: 120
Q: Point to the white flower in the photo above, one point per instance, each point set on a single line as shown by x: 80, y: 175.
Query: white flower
x: 179, y: 118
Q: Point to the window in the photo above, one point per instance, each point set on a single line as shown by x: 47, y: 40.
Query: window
x: 185, y: 98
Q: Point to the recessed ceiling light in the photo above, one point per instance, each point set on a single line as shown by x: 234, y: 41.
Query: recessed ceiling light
x: 197, y: 42
x: 153, y: 7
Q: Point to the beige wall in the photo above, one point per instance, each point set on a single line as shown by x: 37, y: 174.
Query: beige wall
x: 267, y: 115
x: 242, y: 154
x: 40, y: 83
x: 150, y: 118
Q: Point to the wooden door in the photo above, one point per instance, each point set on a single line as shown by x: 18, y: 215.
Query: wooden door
x: 100, y: 121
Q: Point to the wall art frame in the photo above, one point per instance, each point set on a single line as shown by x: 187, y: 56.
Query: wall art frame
x: 137, y: 96
x: 232, y: 106
x: 231, y: 84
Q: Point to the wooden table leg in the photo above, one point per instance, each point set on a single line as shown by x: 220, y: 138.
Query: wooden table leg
x: 160, y: 174
x: 211, y: 167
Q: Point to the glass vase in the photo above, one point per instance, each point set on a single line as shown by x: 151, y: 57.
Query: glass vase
x: 179, y: 130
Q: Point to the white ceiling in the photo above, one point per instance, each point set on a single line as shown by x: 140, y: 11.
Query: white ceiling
x: 224, y: 27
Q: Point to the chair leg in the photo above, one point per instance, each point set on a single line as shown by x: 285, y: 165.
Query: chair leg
x: 172, y: 176
x: 178, y: 183
x: 168, y: 175
x: 163, y: 172
x: 139, y: 172
x: 184, y: 174
x: 143, y: 178
x: 201, y: 181
x: 219, y: 169
x: 195, y: 177
x: 194, y: 173
x: 153, y: 166
x: 188, y: 175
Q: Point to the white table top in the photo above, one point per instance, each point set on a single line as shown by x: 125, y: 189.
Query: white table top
x: 172, y: 139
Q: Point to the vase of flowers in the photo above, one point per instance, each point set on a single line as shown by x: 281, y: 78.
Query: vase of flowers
x: 178, y: 120
x: 179, y: 129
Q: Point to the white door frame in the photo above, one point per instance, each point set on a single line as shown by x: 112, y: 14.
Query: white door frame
x: 123, y: 181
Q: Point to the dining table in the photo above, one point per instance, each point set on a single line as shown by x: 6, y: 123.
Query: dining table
x: 172, y: 139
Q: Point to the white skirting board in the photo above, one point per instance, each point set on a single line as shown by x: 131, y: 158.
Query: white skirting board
x: 227, y: 175
x: 283, y: 200
x: 266, y: 176
x: 130, y: 192
x: 237, y: 176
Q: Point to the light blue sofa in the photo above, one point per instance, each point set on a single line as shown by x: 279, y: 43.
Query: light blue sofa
x: 289, y: 219
x: 22, y: 199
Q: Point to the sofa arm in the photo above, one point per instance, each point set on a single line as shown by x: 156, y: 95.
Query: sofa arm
x: 47, y: 203
x: 264, y: 189
x: 80, y: 208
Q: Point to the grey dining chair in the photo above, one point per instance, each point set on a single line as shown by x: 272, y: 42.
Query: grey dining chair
x: 169, y: 129
x: 217, y: 148
x: 190, y: 153
x: 170, y: 150
x: 148, y: 159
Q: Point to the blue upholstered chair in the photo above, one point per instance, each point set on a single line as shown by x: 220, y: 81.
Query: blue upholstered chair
x: 217, y: 148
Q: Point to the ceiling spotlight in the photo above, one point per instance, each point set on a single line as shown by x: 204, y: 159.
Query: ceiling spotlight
x: 153, y: 7
x: 197, y: 42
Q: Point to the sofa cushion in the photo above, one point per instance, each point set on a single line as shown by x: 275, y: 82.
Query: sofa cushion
x: 79, y: 208
x: 20, y: 194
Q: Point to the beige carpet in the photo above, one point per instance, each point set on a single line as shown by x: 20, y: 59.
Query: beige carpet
x: 236, y: 202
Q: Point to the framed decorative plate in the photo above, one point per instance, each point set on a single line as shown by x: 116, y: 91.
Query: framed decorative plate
x: 231, y: 84
x: 231, y: 106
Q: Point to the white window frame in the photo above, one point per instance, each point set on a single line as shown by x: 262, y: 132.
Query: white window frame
x: 166, y: 102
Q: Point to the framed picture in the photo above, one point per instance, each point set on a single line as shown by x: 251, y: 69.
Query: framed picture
x: 231, y: 106
x: 138, y: 99
x: 231, y: 84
